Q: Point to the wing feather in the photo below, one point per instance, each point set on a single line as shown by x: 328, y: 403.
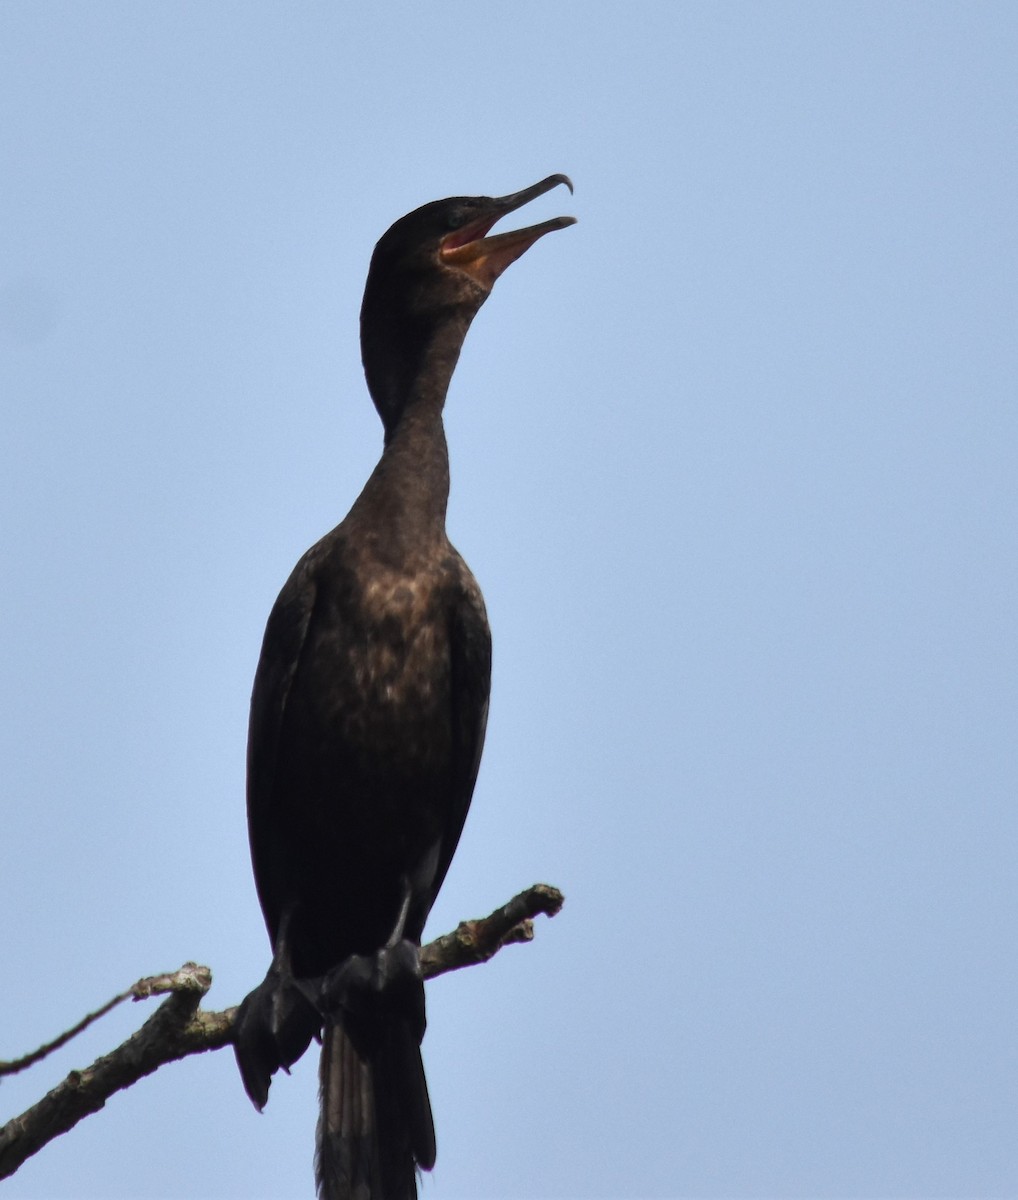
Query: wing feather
x: 470, y: 663
x: 286, y: 637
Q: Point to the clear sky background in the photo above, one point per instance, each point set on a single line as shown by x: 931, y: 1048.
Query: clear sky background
x: 734, y: 462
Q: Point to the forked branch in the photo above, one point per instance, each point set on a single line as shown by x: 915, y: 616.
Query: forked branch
x: 179, y: 1027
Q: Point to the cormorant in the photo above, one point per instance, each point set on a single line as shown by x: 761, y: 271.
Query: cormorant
x: 367, y: 720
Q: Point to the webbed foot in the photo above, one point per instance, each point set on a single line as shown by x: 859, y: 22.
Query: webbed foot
x: 275, y: 1025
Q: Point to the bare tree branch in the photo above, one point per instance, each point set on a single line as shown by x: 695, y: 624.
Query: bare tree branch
x: 174, y: 1030
x: 151, y: 985
x: 179, y: 1027
x: 473, y: 942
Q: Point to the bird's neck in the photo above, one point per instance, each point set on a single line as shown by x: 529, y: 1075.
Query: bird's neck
x: 409, y: 361
x: 405, y: 499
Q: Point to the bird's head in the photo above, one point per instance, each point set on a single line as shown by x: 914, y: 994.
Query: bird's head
x: 430, y: 274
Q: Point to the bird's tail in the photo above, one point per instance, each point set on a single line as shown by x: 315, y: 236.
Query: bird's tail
x: 375, y: 1131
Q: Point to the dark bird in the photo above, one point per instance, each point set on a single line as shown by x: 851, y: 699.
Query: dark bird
x: 367, y: 721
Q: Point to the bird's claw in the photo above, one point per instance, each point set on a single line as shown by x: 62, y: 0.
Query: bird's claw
x: 366, y: 987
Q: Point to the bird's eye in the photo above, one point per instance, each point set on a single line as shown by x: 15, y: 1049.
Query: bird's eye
x: 454, y: 220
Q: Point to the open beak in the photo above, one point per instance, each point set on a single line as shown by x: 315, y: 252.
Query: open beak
x: 484, y: 258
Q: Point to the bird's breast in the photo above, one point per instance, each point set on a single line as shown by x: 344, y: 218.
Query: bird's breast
x: 380, y: 664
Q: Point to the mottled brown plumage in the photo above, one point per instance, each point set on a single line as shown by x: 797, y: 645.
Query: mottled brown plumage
x: 367, y: 722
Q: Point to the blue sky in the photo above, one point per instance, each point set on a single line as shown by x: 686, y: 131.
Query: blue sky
x: 734, y: 462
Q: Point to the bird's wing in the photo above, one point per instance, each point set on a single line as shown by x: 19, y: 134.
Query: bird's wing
x: 470, y: 651
x: 282, y: 648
